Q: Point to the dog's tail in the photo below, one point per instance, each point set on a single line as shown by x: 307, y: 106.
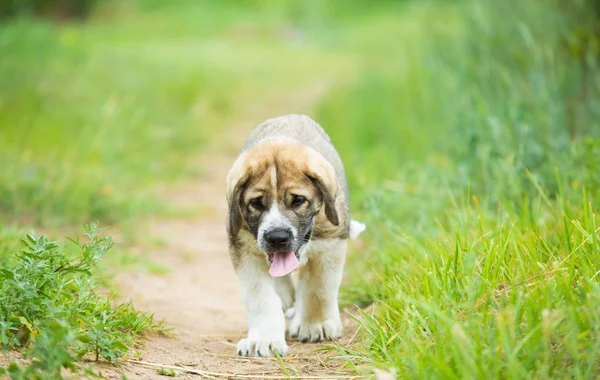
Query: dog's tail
x: 356, y: 228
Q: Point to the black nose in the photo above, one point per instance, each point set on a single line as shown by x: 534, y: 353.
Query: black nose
x: 278, y: 239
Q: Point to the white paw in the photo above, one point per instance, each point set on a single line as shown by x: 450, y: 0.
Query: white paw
x: 294, y: 327
x: 290, y: 312
x: 261, y: 348
x: 316, y: 332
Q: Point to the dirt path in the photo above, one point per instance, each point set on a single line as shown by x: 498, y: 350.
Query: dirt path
x: 199, y: 297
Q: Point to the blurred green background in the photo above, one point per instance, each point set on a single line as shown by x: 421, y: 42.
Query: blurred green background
x: 470, y: 131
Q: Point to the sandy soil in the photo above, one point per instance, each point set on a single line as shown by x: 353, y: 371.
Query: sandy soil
x: 199, y: 297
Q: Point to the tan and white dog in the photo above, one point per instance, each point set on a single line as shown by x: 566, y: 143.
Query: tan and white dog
x: 288, y: 209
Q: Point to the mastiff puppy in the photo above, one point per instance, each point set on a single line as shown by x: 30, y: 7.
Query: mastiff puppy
x: 288, y: 209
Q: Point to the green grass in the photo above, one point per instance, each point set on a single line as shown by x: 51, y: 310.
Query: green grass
x: 82, y: 127
x: 472, y: 152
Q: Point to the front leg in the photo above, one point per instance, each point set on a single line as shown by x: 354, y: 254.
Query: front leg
x: 317, y: 313
x: 284, y: 287
x: 266, y: 322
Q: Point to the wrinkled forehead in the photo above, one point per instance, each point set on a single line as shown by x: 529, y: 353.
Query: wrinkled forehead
x: 278, y: 178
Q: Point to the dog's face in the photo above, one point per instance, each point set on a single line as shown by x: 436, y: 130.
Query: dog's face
x: 276, y: 192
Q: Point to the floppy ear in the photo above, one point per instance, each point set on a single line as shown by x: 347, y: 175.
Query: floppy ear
x: 237, y: 178
x: 328, y: 198
x: 322, y: 175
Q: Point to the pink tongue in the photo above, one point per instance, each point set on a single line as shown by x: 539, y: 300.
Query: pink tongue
x: 283, y: 263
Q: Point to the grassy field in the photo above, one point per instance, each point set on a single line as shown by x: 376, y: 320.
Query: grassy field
x: 470, y: 131
x: 473, y: 150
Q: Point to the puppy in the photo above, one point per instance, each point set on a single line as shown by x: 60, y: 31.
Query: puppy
x: 288, y: 209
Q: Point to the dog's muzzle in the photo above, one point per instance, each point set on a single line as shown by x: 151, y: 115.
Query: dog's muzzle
x: 279, y: 240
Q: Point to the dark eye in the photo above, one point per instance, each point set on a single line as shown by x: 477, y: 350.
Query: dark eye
x: 257, y: 204
x: 298, y: 201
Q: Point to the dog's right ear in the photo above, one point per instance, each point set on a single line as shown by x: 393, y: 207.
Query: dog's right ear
x: 237, y: 178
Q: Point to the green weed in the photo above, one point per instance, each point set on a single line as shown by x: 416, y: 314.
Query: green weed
x: 166, y: 372
x: 50, y: 305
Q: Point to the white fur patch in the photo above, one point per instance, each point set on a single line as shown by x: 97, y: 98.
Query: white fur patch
x: 274, y: 219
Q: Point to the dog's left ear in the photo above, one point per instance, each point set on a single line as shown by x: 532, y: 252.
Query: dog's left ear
x: 322, y: 175
x: 237, y: 178
x: 328, y: 198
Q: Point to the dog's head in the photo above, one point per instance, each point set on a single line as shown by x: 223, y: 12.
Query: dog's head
x: 276, y: 191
